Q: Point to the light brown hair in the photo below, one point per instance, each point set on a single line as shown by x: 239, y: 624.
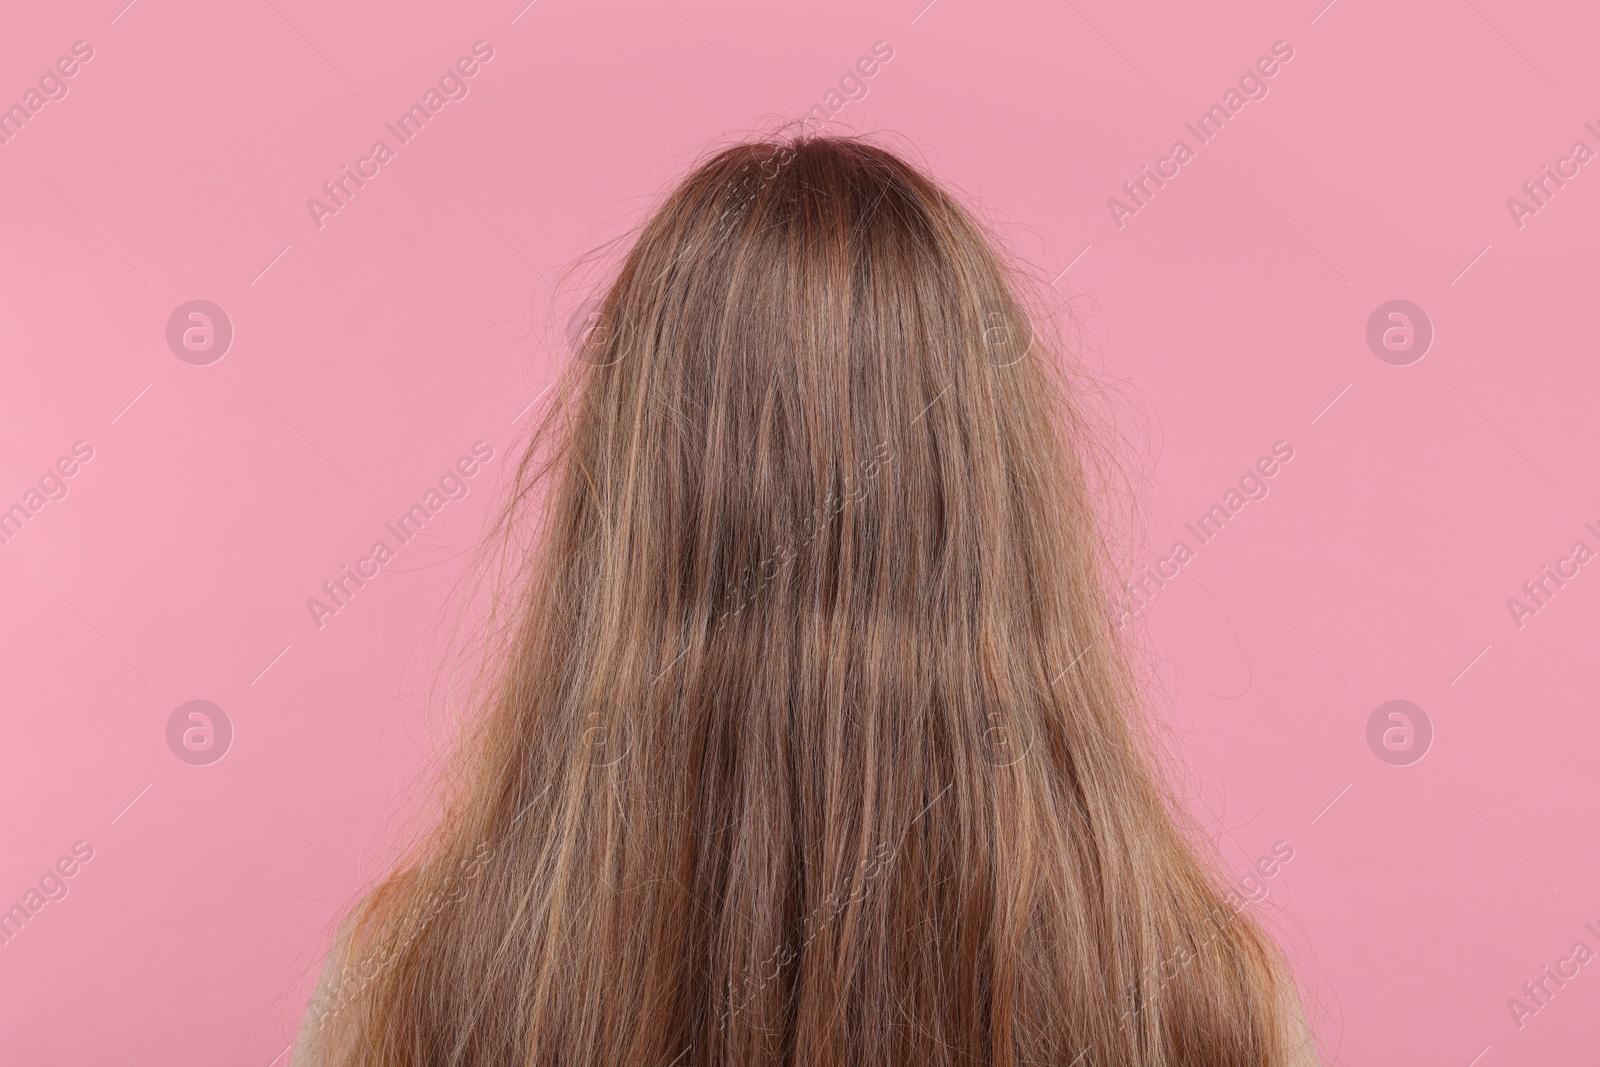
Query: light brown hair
x: 812, y: 737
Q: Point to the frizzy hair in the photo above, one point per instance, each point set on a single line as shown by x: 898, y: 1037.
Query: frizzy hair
x: 872, y: 783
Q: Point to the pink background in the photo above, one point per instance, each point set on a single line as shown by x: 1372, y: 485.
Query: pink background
x: 370, y: 353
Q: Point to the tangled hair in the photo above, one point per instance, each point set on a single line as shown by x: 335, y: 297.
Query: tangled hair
x: 812, y: 737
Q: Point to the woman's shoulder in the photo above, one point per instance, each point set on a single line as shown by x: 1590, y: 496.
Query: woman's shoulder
x: 328, y: 1029
x: 1299, y: 1046
x: 319, y: 1043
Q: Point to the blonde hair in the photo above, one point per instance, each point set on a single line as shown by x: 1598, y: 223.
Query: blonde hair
x: 813, y: 738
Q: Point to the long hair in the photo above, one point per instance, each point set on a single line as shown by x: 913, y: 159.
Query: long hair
x: 812, y: 736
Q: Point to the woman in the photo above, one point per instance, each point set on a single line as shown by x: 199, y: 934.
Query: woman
x: 812, y: 739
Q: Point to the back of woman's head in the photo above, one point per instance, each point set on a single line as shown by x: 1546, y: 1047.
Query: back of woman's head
x: 811, y: 739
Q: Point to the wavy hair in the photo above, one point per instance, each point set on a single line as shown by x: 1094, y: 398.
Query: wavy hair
x: 811, y: 735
